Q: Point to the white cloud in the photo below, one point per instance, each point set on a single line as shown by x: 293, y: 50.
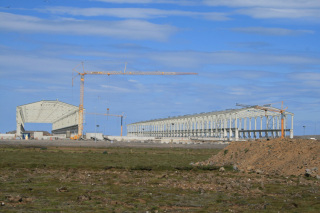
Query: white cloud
x: 116, y: 89
x: 32, y: 91
x: 133, y: 81
x: 133, y: 13
x: 290, y: 9
x: 120, y: 29
x: 264, y: 13
x: 227, y: 3
x: 194, y: 59
x: 271, y: 31
x: 306, y: 76
x: 265, y: 3
x: 26, y: 63
x: 239, y: 91
x: 179, y: 2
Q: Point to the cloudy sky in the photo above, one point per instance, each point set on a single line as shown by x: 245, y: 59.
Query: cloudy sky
x: 244, y: 51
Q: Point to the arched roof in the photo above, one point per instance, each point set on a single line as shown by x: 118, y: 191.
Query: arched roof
x: 45, y: 111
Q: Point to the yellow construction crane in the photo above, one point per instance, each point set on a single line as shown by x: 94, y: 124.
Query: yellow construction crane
x: 84, y: 73
x: 281, y: 111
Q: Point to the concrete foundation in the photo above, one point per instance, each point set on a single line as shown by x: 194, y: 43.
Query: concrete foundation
x: 98, y: 136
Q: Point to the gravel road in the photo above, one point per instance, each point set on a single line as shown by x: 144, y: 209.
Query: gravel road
x: 102, y: 144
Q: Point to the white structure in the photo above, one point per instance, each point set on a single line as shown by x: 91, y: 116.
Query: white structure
x: 38, y: 135
x: 233, y: 124
x: 98, y: 136
x: 63, y: 116
x: 7, y: 136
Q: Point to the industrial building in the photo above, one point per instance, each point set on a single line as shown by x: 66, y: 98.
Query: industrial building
x: 234, y: 124
x: 63, y: 116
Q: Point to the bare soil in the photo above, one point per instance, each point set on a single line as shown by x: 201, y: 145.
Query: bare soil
x: 276, y: 157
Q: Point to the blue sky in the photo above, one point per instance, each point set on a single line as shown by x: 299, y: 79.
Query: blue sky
x: 245, y: 51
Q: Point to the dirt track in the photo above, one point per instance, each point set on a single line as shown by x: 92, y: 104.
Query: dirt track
x: 102, y: 144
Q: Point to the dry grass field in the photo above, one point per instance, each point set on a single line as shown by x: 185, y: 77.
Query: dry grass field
x: 129, y: 179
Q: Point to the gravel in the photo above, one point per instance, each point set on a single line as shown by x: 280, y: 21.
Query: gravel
x: 102, y: 144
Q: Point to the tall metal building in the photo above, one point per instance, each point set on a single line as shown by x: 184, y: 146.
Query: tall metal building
x: 233, y: 124
x: 63, y: 116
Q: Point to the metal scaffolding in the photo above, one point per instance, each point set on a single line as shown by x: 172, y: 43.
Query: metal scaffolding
x: 233, y: 124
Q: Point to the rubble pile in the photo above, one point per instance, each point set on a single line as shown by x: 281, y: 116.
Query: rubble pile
x: 274, y: 157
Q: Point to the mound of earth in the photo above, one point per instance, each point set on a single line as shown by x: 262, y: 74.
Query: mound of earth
x: 275, y: 156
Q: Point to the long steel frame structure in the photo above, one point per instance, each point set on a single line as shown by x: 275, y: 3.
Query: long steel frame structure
x: 233, y: 124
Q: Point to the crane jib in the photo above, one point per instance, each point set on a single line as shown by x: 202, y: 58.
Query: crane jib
x: 124, y: 72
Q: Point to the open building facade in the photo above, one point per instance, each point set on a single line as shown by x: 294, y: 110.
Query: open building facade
x: 62, y: 116
x: 233, y: 124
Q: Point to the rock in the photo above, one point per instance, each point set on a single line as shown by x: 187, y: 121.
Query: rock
x: 258, y: 171
x: 2, y: 203
x: 84, y: 198
x: 228, y: 186
x: 249, y: 168
x: 15, y: 199
x: 314, y: 169
x: 308, y: 173
x: 318, y: 177
x: 27, y: 180
x: 62, y: 189
x: 28, y: 199
x: 235, y: 168
x: 211, y: 163
x: 164, y: 176
x: 222, y: 169
x: 201, y: 191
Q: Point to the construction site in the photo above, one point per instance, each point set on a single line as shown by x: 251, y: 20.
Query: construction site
x: 169, y: 106
x: 235, y: 160
x: 248, y: 122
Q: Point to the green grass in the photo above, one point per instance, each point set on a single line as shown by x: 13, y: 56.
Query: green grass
x: 140, y: 180
x: 122, y: 158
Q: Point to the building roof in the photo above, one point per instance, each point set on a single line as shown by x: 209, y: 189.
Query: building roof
x: 252, y: 111
x: 45, y: 111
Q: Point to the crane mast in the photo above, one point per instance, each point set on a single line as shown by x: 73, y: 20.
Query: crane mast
x: 80, y: 118
x: 83, y: 73
x: 266, y: 107
x: 281, y: 111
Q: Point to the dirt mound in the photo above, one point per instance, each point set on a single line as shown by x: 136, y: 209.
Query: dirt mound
x: 275, y: 156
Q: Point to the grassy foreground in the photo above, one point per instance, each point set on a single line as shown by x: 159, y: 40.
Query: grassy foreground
x: 60, y: 179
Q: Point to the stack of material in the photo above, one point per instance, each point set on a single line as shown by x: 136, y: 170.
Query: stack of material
x: 276, y: 156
